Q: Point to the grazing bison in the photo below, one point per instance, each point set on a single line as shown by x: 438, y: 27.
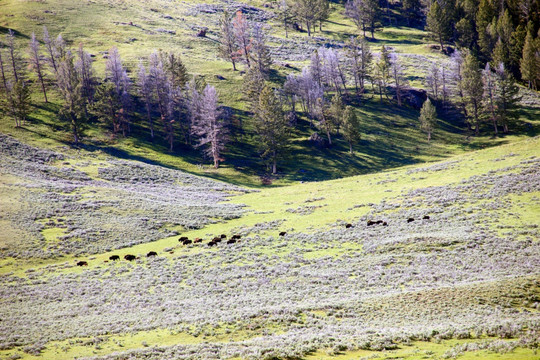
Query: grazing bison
x: 348, y: 226
x: 236, y: 237
x: 211, y: 243
x: 82, y: 263
x: 130, y: 257
x: 283, y: 233
x: 186, y: 242
x: 410, y: 220
x: 378, y: 222
x: 151, y: 253
x: 171, y: 252
x: 232, y: 241
x: 223, y: 236
x: 197, y: 240
x: 183, y: 238
x: 384, y: 223
x: 370, y: 222
x: 114, y: 257
x: 216, y: 239
x: 426, y: 217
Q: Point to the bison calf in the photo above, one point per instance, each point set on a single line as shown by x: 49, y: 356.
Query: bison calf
x: 197, y: 240
x: 223, y: 236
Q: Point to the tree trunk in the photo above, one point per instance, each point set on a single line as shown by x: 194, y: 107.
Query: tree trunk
x: 350, y: 147
x: 495, y: 126
x: 429, y: 136
x: 308, y: 25
x: 274, y: 164
x: 233, y: 64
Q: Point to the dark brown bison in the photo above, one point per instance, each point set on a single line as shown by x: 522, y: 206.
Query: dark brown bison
x: 186, y: 242
x: 130, y: 257
x: 82, y: 263
x: 378, y: 222
x: 231, y: 241
x: 426, y: 217
x: 410, y: 220
x: 217, y: 239
x: 171, y: 252
x: 197, y: 240
x: 223, y: 236
x: 114, y: 257
x: 348, y: 226
x: 183, y: 238
x: 384, y: 223
x: 237, y: 237
x: 370, y: 222
x: 283, y: 233
x: 151, y: 253
x: 211, y: 243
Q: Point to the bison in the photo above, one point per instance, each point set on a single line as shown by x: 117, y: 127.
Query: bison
x: 223, y: 236
x: 186, y: 242
x: 197, y: 240
x: 130, y: 257
x: 82, y: 263
x: 151, y: 253
x: 370, y: 222
x: 409, y: 220
x: 237, y: 237
x: 231, y: 241
x: 183, y: 238
x: 348, y: 226
x: 426, y: 217
x: 211, y: 243
x: 217, y: 239
x: 283, y: 233
x: 114, y: 257
x: 384, y: 223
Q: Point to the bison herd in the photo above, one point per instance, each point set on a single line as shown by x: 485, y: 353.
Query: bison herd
x: 233, y: 240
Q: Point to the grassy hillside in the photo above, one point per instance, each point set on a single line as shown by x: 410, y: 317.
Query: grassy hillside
x: 390, y: 135
x: 461, y: 280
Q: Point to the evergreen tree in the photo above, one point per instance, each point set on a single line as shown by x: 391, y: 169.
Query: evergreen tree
x: 486, y: 27
x: 271, y: 127
x: 285, y: 15
x: 473, y: 89
x: 398, y: 77
x: 146, y: 91
x: 360, y: 57
x: 260, y: 53
x: 175, y: 69
x: 383, y: 71
x: 506, y: 98
x: 306, y: 12
x: 412, y: 9
x: 228, y: 48
x: 490, y: 89
x: 107, y: 106
x: 253, y: 84
x: 351, y: 127
x: 323, y: 12
x: 438, y: 23
x: 336, y: 112
x: 428, y: 118
x: 529, y: 61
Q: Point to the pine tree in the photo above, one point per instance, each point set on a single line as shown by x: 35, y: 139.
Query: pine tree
x: 175, y: 69
x: 351, y: 126
x: 253, y: 84
x: 324, y: 117
x: 284, y: 14
x: 360, y: 57
x: 146, y: 91
x: 529, y: 62
x: 86, y: 74
x: 485, y: 26
x: 506, y: 97
x: 228, y: 49
x: 398, y: 77
x: 336, y: 112
x: 306, y: 12
x: 260, y: 52
x: 438, y: 23
x: 428, y: 118
x: 107, y: 105
x: 20, y: 97
x: 412, y: 9
x: 383, y: 70
x: 323, y: 12
x: 271, y: 127
x: 473, y: 89
x: 490, y: 89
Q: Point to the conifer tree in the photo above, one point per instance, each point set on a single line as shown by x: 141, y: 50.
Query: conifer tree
x: 243, y: 37
x: 383, y: 70
x: 260, y: 52
x: 529, y: 65
x: 473, y: 89
x: 438, y: 23
x: 428, y: 118
x: 351, y: 126
x: 228, y: 48
x: 336, y: 112
x: 271, y: 127
x: 506, y: 98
